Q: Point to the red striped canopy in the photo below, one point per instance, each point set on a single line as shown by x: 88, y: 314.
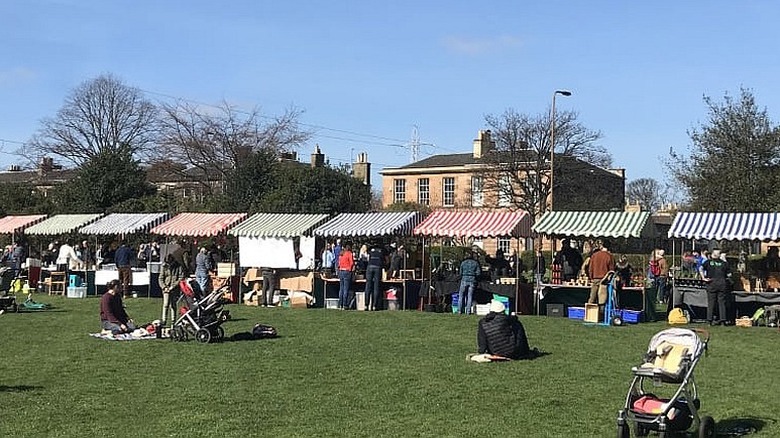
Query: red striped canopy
x: 198, y: 224
x: 11, y: 224
x: 475, y: 223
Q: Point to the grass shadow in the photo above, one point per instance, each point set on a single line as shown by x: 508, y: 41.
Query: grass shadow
x: 19, y: 388
x: 246, y: 336
x: 740, y: 426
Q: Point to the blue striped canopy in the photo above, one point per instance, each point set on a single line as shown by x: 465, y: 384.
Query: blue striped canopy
x: 726, y: 226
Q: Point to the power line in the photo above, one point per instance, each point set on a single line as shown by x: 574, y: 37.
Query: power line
x: 343, y: 131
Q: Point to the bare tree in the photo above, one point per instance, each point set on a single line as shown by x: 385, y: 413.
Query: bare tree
x: 100, y: 115
x: 213, y: 140
x: 517, y: 168
x: 647, y: 192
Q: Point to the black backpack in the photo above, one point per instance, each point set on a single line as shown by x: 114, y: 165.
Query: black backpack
x: 264, y: 331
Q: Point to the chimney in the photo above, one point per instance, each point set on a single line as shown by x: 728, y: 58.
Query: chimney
x: 619, y: 172
x: 483, y: 144
x: 361, y: 169
x: 317, y: 158
x: 45, y: 165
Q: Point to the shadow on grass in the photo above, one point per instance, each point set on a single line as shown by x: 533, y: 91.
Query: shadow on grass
x: 246, y: 336
x: 740, y: 426
x: 19, y: 388
x: 47, y: 310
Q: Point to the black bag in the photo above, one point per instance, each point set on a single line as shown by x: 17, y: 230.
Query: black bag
x: 264, y: 331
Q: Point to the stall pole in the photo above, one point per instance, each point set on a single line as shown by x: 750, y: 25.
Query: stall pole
x: 422, y: 268
x: 517, y: 276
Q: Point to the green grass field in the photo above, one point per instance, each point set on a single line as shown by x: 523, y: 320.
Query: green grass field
x: 334, y: 373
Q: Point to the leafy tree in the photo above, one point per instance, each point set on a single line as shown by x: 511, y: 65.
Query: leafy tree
x: 518, y: 166
x: 246, y: 184
x: 298, y: 188
x: 109, y: 178
x: 733, y: 158
x: 647, y: 192
x: 22, y: 198
x: 101, y: 115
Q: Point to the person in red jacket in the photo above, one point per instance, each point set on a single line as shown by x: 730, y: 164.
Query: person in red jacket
x: 601, y: 263
x: 113, y: 316
x: 346, y: 265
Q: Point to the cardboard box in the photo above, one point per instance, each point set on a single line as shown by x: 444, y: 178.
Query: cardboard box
x: 253, y: 274
x: 298, y: 303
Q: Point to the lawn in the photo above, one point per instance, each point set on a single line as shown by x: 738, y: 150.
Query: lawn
x: 334, y: 373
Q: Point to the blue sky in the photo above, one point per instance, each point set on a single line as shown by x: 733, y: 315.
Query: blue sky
x: 366, y: 72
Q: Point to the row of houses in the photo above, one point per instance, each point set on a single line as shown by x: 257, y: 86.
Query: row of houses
x: 439, y: 181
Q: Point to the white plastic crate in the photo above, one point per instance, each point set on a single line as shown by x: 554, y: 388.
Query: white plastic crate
x: 331, y: 303
x: 77, y: 292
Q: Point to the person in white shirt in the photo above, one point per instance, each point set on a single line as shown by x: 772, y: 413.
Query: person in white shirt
x: 67, y: 258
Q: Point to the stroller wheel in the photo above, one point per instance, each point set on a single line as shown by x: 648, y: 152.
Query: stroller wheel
x: 623, y: 431
x: 203, y: 336
x: 707, y: 427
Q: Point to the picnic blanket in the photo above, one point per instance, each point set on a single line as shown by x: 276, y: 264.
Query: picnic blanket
x: 137, y: 335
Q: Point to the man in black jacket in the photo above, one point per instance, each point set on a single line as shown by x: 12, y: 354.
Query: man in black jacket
x: 502, y: 335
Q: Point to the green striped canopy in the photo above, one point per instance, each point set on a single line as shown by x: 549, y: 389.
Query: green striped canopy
x: 278, y: 225
x: 592, y: 223
x: 61, y: 224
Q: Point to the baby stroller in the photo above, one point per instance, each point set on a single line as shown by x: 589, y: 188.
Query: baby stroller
x: 7, y: 300
x: 670, y: 359
x: 201, y: 316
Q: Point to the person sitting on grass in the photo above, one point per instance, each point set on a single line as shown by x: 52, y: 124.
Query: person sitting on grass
x: 113, y: 316
x: 499, y: 334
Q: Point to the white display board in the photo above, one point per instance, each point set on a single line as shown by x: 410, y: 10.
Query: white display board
x: 275, y: 252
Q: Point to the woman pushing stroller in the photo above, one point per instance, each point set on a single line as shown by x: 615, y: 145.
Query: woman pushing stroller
x: 171, y: 274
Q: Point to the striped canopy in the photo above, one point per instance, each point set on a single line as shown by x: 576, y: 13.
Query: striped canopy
x: 278, y: 225
x: 370, y: 224
x: 592, y: 223
x: 61, y: 224
x: 726, y: 226
x: 124, y: 223
x: 197, y: 224
x: 475, y: 223
x: 12, y: 224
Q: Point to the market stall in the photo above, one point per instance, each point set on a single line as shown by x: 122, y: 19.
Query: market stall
x: 472, y: 224
x: 58, y: 226
x: 280, y: 241
x: 205, y: 225
x: 370, y: 225
x: 752, y: 227
x: 15, y: 225
x: 594, y: 224
x: 123, y: 224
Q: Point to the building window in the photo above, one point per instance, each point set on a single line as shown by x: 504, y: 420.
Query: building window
x: 399, y: 190
x: 448, y: 189
x: 504, y: 190
x: 477, y: 199
x: 423, y: 191
x: 478, y: 243
x: 503, y: 244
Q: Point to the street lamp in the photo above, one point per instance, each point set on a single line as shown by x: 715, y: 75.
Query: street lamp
x: 565, y: 93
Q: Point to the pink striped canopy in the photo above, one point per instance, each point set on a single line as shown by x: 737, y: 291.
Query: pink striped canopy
x: 11, y: 224
x: 475, y: 223
x: 198, y: 224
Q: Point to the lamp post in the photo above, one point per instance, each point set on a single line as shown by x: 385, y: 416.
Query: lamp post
x: 566, y: 93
